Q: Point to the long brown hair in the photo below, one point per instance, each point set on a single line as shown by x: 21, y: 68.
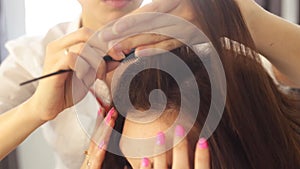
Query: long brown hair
x: 261, y: 123
x: 260, y: 126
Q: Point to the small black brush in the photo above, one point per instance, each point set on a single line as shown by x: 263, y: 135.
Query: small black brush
x: 106, y: 58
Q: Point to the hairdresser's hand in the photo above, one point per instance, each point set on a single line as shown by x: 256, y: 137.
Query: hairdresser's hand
x: 181, y: 157
x: 80, y: 52
x: 133, y: 27
x: 96, y: 152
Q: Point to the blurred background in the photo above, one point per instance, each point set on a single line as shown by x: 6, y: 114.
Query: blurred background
x: 35, y: 17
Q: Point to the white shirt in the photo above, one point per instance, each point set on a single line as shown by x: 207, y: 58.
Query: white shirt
x: 68, y: 133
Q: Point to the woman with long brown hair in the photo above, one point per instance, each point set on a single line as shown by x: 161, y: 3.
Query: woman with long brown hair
x: 260, y: 125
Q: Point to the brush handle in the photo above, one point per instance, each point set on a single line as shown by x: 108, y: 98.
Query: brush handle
x: 106, y: 58
x: 45, y: 76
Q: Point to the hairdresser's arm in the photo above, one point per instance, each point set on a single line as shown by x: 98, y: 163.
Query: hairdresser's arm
x: 16, y: 125
x: 53, y: 94
x: 275, y: 38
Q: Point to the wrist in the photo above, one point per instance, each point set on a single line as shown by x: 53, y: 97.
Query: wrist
x: 26, y: 114
x: 46, y: 107
x: 34, y: 113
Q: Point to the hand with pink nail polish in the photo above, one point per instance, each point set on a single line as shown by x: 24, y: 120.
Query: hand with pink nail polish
x: 180, y: 153
x: 97, y: 149
x: 145, y: 163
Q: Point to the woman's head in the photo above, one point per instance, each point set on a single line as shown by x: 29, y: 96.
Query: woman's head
x: 97, y: 13
x: 252, y: 125
x: 144, y: 126
x: 259, y: 125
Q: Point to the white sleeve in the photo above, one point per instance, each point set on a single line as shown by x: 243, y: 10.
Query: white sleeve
x: 11, y: 94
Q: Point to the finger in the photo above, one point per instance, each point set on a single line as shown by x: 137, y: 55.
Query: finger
x: 100, y: 117
x: 106, y: 127
x: 134, y: 42
x: 160, y: 30
x: 86, y: 163
x: 156, y: 6
x: 83, y: 36
x: 92, y: 57
x: 102, y: 92
x: 81, y: 67
x: 84, y: 74
x: 97, y: 148
x: 116, y: 54
x: 163, y: 24
x: 103, y: 132
x: 154, y: 49
x: 94, y: 156
x: 135, y: 24
x: 180, y: 151
x: 145, y: 164
x: 76, y: 63
x: 202, y: 159
x: 111, y: 66
x: 127, y: 51
x: 98, y: 157
x: 160, y: 161
x: 139, y: 40
x: 80, y: 36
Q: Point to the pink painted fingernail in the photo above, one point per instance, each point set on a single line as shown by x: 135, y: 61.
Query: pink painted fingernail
x: 160, y: 138
x: 109, y: 114
x: 179, y: 131
x: 202, y: 143
x: 101, y: 145
x: 145, y: 162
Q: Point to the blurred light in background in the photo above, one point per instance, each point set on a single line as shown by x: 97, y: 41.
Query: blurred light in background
x: 40, y: 15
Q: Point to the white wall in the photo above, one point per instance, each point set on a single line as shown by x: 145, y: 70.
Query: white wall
x: 290, y: 10
x: 15, y: 20
x: 44, y: 14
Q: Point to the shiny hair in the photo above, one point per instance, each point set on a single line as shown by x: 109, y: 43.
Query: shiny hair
x: 260, y: 125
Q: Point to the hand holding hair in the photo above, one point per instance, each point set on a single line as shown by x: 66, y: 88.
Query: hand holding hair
x: 145, y: 19
x: 95, y: 154
x: 275, y: 38
x: 180, y: 154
